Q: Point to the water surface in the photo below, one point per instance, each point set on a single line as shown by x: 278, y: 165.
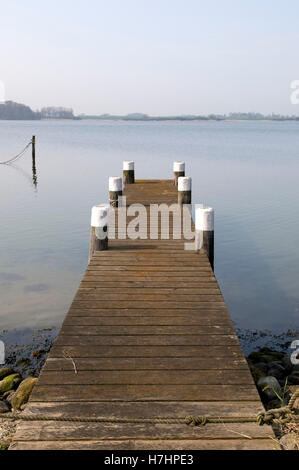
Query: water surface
x: 248, y: 171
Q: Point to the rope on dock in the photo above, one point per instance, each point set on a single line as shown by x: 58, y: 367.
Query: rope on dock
x: 16, y: 157
x: 281, y: 415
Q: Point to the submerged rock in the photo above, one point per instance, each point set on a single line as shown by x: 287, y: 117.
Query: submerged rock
x: 9, y: 382
x: 21, y: 396
x: 269, y: 387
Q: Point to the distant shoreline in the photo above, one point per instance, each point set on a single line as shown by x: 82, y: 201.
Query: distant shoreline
x: 149, y: 120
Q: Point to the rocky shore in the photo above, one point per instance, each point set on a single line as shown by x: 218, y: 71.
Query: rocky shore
x: 276, y: 378
x: 14, y: 394
x: 275, y: 375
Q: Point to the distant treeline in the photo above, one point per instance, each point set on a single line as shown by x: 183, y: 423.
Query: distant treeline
x: 10, y: 110
x: 16, y: 111
x: 193, y: 117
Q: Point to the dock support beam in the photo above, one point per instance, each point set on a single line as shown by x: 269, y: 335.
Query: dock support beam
x: 98, y: 230
x: 204, y: 225
x: 184, y: 190
x: 115, y: 190
x: 178, y: 171
x: 129, y: 172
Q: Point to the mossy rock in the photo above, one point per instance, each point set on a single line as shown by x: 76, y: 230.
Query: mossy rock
x: 269, y: 387
x: 9, y: 382
x: 21, y: 396
x: 5, y: 372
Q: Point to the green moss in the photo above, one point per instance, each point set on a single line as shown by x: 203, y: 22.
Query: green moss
x: 9, y: 382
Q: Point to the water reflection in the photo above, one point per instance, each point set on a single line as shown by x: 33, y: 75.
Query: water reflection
x: 32, y: 179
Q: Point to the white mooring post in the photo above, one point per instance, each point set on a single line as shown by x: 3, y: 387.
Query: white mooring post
x: 115, y: 190
x: 128, y: 172
x: 99, y: 229
x: 178, y: 171
x: 204, y: 225
x: 184, y: 190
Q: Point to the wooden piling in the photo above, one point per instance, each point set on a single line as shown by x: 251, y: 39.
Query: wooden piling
x: 98, y: 230
x: 184, y: 190
x: 178, y: 171
x: 204, y: 224
x: 128, y: 172
x: 115, y: 190
x: 33, y: 151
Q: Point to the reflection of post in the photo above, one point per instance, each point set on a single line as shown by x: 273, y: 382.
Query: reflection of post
x: 34, y: 175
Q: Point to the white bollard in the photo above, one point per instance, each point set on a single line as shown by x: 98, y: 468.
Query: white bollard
x: 115, y: 190
x: 184, y: 190
x: 204, y: 225
x: 178, y: 171
x: 99, y: 229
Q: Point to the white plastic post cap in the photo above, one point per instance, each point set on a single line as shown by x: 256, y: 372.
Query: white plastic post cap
x: 115, y: 183
x: 185, y: 183
x: 128, y: 165
x: 204, y: 219
x: 179, y: 166
x: 99, y: 216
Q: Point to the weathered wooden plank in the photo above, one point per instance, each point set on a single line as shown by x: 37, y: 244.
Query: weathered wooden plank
x: 86, y: 431
x: 99, y: 290
x: 209, y: 324
x: 145, y: 268
x: 75, y: 351
x: 127, y: 392
x: 205, y: 444
x: 144, y: 363
x: 146, y: 330
x: 203, y: 316
x: 152, y: 409
x: 146, y: 340
x: 138, y: 304
x: 147, y: 377
x: 149, y: 296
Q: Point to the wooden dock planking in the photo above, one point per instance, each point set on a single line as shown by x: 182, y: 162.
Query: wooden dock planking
x: 150, y: 336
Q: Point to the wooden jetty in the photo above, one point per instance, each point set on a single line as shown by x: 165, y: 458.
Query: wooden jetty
x: 148, y: 335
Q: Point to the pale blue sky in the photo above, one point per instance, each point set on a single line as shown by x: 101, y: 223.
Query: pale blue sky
x: 152, y: 56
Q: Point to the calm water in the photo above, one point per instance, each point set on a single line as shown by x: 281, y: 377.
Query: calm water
x: 247, y: 171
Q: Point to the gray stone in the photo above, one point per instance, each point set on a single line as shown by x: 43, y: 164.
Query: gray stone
x: 4, y: 408
x: 293, y: 378
x: 276, y: 370
x: 261, y: 366
x: 269, y: 387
